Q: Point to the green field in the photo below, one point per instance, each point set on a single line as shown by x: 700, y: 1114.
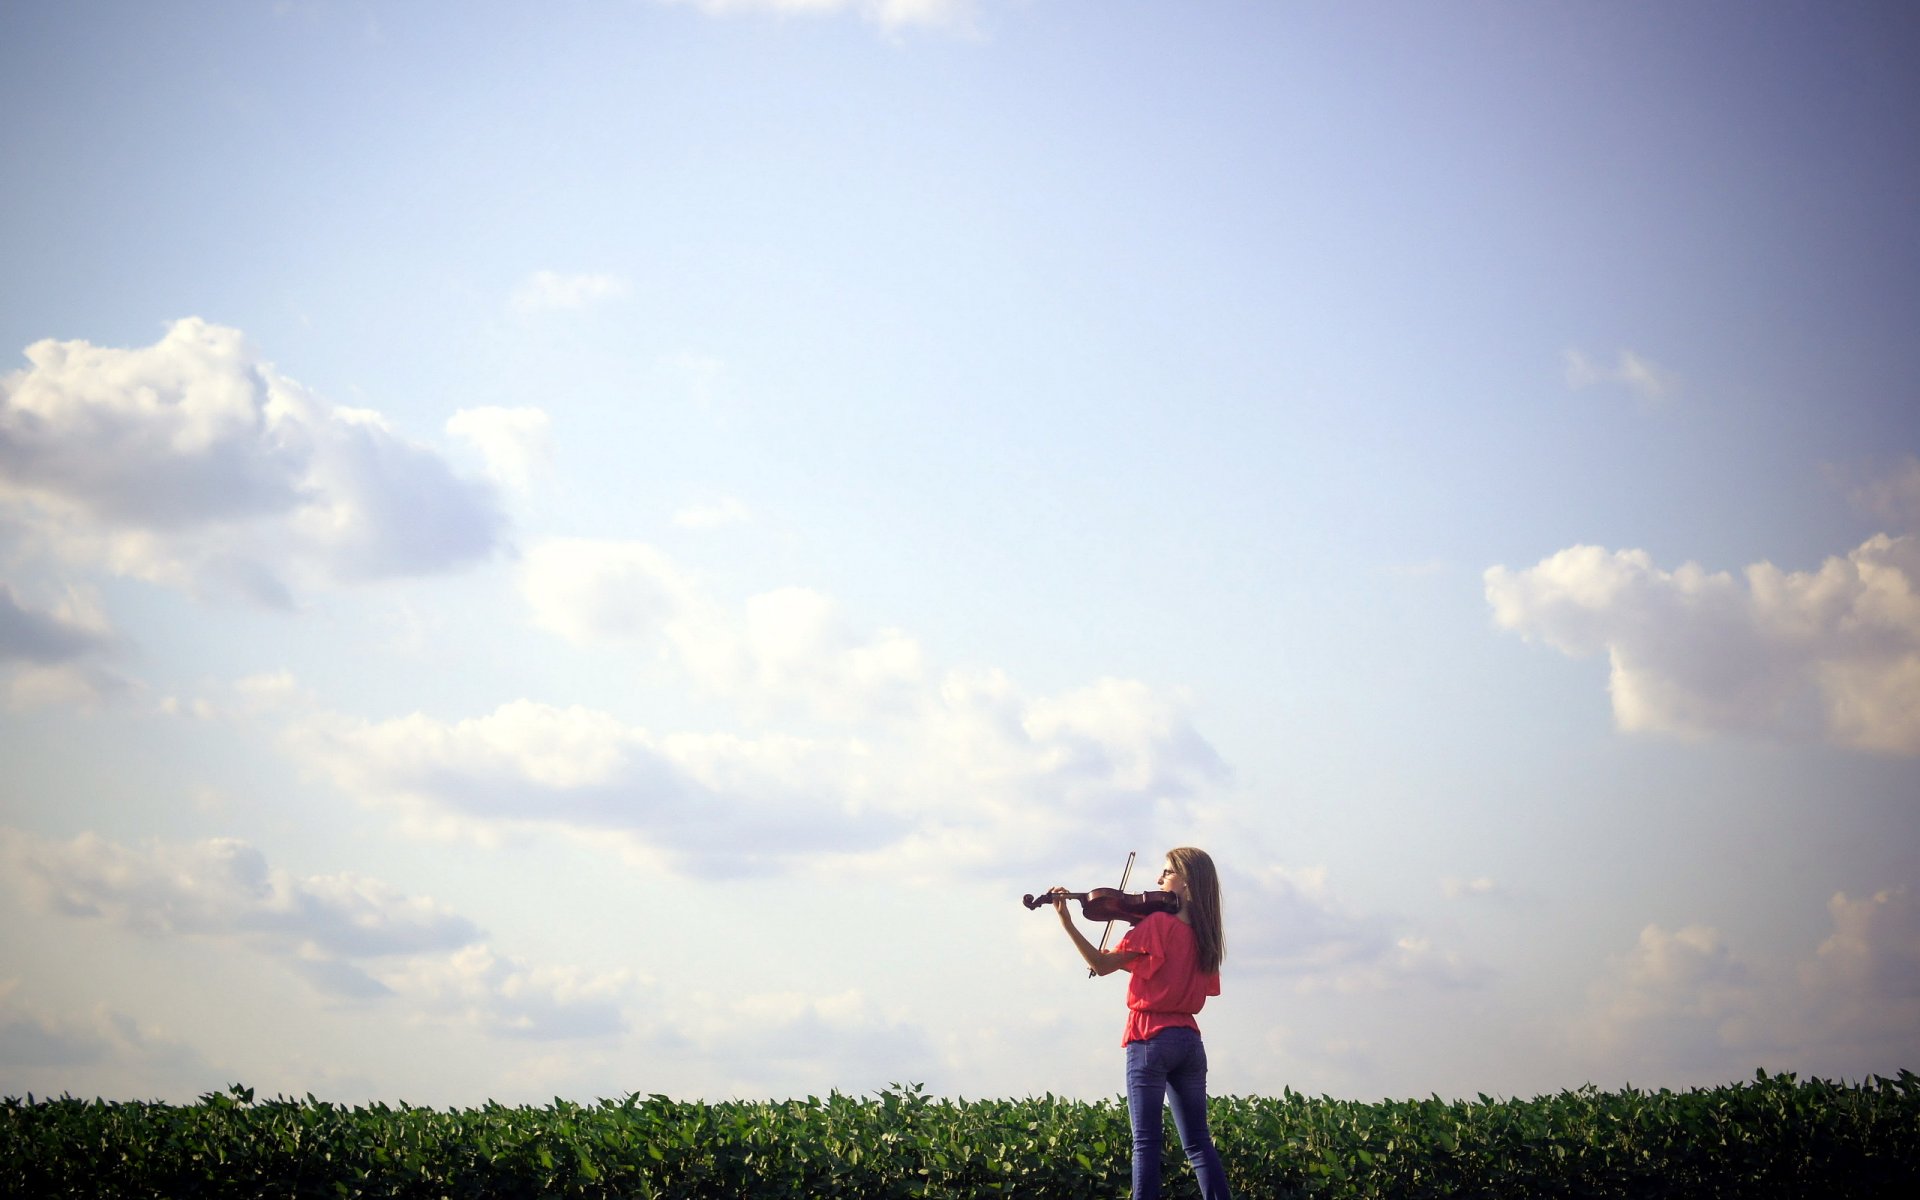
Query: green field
x: 1773, y: 1136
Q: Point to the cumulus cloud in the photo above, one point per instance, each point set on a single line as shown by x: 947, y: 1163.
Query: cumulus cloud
x: 888, y: 14
x: 985, y: 775
x: 508, y: 997
x: 1118, y: 734
x: 590, y: 590
x: 790, y: 647
x: 192, y: 463
x: 1685, y: 1002
x: 350, y: 937
x: 545, y: 291
x: 84, y: 687
x: 970, y: 763
x: 1481, y: 887
x: 1832, y: 653
x: 57, y: 652
x: 1288, y: 923
x: 1009, y: 780
x: 1863, y: 983
x: 1892, y: 495
x: 223, y: 887
x: 792, y: 1042
x: 1334, y: 1057
x: 514, y: 442
x: 1633, y: 372
x: 49, y: 636
x: 794, y: 644
x: 794, y: 650
x: 55, y: 1052
x: 716, y: 804
x: 357, y: 939
x: 33, y: 1039
x: 1680, y: 998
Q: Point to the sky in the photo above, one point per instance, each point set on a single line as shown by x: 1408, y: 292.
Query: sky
x: 593, y: 548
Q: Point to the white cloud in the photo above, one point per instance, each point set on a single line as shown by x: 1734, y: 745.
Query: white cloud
x: 181, y: 433
x: 1632, y: 371
x: 968, y: 766
x: 358, y: 940
x: 1287, y: 922
x: 888, y: 14
x: 506, y: 996
x: 546, y: 291
x: 193, y: 464
x: 249, y: 697
x: 794, y: 645
x: 514, y: 442
x: 690, y: 1042
x: 1339, y: 1057
x: 1684, y: 1003
x: 83, y: 687
x: 1833, y: 653
x: 61, y: 1050
x: 788, y: 647
x: 74, y: 629
x: 982, y: 775
x: 349, y: 937
x: 1120, y: 734
x: 1863, y: 983
x: 716, y: 804
x: 1018, y: 781
x: 591, y: 591
x: 1480, y: 887
x: 1892, y: 496
x: 224, y: 888
x: 1680, y: 999
x: 55, y: 653
x: 792, y: 1042
x: 792, y: 650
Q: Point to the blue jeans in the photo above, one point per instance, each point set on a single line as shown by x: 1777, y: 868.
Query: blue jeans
x: 1171, y: 1063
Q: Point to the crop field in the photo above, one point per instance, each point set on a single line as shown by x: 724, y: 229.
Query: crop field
x: 1773, y: 1136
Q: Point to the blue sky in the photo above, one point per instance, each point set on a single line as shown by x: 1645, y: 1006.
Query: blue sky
x: 600, y: 548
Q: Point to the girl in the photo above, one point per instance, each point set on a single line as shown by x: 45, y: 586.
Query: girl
x: 1174, y: 960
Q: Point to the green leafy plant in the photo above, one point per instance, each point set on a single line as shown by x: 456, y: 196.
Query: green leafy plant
x: 1774, y: 1136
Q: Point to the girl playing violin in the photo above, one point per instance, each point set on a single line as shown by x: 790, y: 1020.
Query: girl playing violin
x: 1174, y: 960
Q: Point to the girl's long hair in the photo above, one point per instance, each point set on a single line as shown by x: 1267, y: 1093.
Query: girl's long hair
x: 1203, y: 899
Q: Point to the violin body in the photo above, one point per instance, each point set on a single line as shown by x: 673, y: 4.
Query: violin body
x: 1112, y: 904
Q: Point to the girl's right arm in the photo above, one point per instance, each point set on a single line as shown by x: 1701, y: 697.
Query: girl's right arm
x: 1100, y: 962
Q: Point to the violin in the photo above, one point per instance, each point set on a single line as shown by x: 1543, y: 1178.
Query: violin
x: 1112, y: 904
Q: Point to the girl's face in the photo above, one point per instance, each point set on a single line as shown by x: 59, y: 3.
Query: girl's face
x: 1172, y: 881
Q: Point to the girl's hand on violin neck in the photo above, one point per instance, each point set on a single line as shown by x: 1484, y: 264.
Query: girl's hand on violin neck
x: 1060, y: 895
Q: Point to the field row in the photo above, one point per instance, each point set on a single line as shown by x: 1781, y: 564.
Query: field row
x: 1774, y: 1136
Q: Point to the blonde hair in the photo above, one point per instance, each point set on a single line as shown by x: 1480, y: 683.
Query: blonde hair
x: 1203, y: 902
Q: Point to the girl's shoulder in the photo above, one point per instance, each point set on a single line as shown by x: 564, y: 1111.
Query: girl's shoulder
x: 1164, y: 924
x: 1150, y: 931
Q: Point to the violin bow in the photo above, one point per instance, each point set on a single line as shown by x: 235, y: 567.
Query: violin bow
x: 1126, y: 872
